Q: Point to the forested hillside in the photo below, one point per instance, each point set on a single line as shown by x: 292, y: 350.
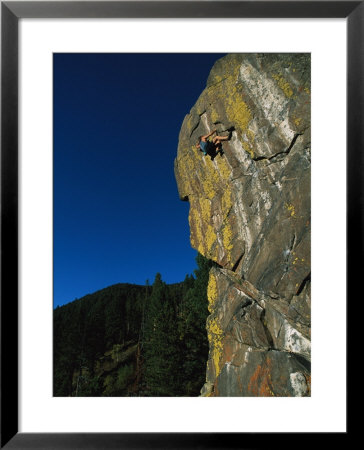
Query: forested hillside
x: 129, y: 340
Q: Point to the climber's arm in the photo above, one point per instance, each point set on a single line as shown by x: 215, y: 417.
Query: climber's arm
x: 203, y: 138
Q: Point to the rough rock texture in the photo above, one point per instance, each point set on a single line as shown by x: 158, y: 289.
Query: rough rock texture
x: 250, y: 213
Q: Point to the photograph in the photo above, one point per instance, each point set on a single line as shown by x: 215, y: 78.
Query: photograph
x: 181, y: 225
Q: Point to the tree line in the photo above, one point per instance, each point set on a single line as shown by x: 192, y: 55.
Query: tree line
x: 131, y: 340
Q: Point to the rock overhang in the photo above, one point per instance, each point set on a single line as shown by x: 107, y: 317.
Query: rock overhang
x: 250, y: 206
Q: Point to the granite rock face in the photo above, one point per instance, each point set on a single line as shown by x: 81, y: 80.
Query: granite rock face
x: 250, y: 213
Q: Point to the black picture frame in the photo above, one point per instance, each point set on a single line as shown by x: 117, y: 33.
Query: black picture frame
x: 11, y: 12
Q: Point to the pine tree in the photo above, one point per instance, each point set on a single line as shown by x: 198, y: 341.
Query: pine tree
x: 193, y: 330
x: 166, y: 322
x: 161, y: 353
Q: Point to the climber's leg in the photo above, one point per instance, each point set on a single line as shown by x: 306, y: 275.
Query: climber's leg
x: 218, y: 146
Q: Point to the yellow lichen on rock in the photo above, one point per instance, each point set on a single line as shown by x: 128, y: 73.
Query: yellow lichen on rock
x: 237, y: 111
x: 226, y: 201
x: 190, y: 124
x: 228, y: 240
x: 297, y: 121
x: 205, y: 205
x: 209, y: 187
x: 228, y: 90
x: 212, y: 291
x: 185, y: 164
x: 283, y: 84
x: 215, y: 336
x: 210, y: 179
x: 216, y: 79
x: 224, y: 170
x: 247, y: 142
x: 210, y: 239
x: 291, y: 209
x: 247, y: 147
x: 214, y: 115
x: 195, y: 227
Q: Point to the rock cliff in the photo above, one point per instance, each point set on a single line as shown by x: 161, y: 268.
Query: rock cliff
x: 250, y: 213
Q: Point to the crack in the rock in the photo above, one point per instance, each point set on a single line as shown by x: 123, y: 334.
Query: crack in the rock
x: 302, y: 361
x: 235, y: 266
x: 279, y: 331
x: 300, y: 318
x: 268, y: 334
x: 284, y: 152
x: 293, y: 241
x: 303, y: 284
x: 261, y: 298
x: 289, y: 252
x: 198, y: 122
x: 196, y: 126
x: 253, y: 348
x: 218, y: 82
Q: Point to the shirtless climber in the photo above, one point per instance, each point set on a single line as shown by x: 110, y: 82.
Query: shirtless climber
x: 206, y: 146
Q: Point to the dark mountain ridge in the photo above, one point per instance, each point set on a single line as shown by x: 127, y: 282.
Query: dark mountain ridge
x: 119, y: 341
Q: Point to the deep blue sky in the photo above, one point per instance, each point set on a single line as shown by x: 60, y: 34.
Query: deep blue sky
x: 117, y: 215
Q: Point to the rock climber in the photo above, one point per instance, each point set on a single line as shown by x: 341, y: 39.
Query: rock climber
x: 213, y: 146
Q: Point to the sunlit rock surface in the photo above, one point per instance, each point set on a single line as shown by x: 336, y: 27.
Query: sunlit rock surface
x: 250, y: 213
